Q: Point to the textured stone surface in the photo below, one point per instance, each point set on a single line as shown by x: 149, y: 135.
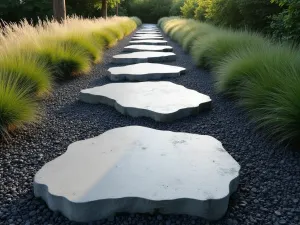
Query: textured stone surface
x: 148, y: 29
x: 147, y: 32
x: 154, y: 35
x: 153, y: 48
x: 144, y: 56
x: 138, y: 170
x: 162, y: 101
x: 147, y: 37
x: 144, y: 72
x: 149, y: 42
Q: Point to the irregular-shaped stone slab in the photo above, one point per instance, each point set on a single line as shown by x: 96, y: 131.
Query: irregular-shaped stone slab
x: 148, y: 32
x: 144, y: 56
x: 162, y: 101
x: 139, y: 170
x: 149, y: 28
x: 144, y: 72
x: 149, y: 42
x: 145, y: 37
x: 154, y: 48
x: 148, y: 35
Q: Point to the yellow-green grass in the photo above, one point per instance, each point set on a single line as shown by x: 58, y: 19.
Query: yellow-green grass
x: 33, y: 57
x: 273, y: 103
x: 18, y: 106
x: 29, y: 69
x: 262, y: 75
x: 137, y: 20
x: 266, y: 81
x: 65, y: 60
x: 105, y: 37
x: 209, y: 50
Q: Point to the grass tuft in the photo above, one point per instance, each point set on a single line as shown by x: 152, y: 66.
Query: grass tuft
x: 263, y: 76
x: 32, y: 58
x: 209, y: 50
x: 17, y: 105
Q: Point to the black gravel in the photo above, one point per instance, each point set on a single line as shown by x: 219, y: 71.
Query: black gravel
x: 269, y: 191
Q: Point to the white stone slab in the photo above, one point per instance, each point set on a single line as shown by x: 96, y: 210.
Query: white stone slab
x: 162, y: 101
x: 153, y: 48
x: 148, y: 32
x: 144, y: 56
x: 139, y: 170
x: 144, y: 72
x: 148, y: 42
x: 147, y: 37
x: 149, y: 29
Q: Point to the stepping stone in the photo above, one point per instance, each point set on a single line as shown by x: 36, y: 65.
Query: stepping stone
x: 162, y: 101
x: 147, y: 37
x: 148, y: 32
x: 144, y: 72
x: 154, y: 48
x: 136, y: 169
x: 145, y: 56
x: 149, y: 42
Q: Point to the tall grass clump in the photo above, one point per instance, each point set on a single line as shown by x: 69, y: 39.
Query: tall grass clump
x: 32, y: 58
x: 137, y: 20
x: 266, y: 81
x: 17, y: 105
x: 261, y: 75
x: 209, y: 50
x: 29, y: 69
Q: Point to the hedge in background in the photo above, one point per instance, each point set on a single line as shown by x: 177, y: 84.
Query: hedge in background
x: 263, y: 76
x: 32, y: 58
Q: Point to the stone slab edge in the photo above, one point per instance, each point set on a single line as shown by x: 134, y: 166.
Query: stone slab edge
x: 86, y: 212
x: 127, y: 50
x: 144, y: 77
x: 138, y: 112
x: 157, y: 59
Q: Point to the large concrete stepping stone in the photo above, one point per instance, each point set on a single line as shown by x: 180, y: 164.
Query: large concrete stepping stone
x: 139, y: 170
x: 154, y: 48
x: 147, y: 37
x: 148, y: 32
x: 144, y: 56
x: 144, y: 72
x: 148, y: 42
x: 162, y: 101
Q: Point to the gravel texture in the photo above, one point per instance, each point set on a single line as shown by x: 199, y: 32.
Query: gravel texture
x: 269, y: 191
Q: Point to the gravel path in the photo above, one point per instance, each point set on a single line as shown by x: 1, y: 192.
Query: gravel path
x: 269, y: 191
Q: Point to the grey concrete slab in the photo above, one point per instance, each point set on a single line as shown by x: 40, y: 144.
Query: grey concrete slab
x: 162, y: 101
x: 149, y: 42
x: 153, y: 48
x: 144, y: 72
x: 143, y: 56
x: 139, y: 170
x: 148, y: 32
x: 147, y: 37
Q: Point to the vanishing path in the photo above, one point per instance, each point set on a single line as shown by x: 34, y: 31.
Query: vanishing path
x: 269, y: 191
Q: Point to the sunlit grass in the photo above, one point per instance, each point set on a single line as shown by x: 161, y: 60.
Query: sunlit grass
x: 32, y: 58
x: 17, y: 105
